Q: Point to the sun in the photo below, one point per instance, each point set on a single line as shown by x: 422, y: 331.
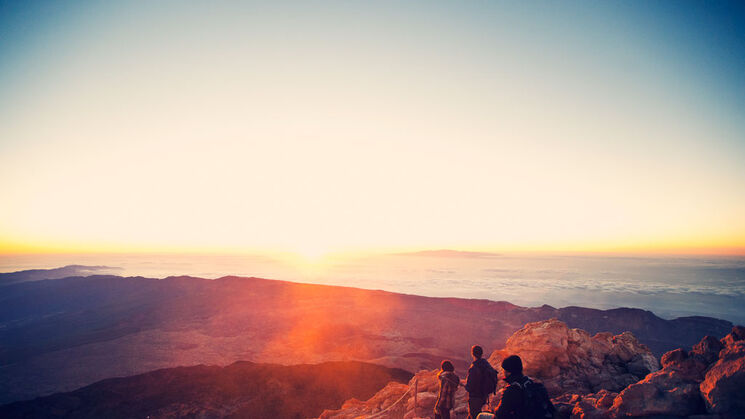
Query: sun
x: 311, y: 253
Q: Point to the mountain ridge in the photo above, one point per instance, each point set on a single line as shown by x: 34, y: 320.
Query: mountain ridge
x: 7, y: 278
x: 112, y: 326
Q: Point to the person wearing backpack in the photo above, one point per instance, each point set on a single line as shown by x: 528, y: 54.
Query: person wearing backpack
x: 449, y: 383
x: 480, y: 383
x: 523, y: 398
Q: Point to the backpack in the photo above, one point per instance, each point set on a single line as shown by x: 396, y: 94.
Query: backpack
x: 536, y: 403
x: 488, y: 379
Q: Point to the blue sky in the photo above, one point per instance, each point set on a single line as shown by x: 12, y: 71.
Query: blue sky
x: 322, y: 126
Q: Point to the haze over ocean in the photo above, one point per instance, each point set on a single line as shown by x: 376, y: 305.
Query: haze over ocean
x: 670, y: 286
x: 169, y: 138
x: 366, y: 126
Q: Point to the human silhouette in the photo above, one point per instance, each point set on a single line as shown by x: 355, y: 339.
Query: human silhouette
x: 481, y: 381
x: 523, y: 398
x: 449, y: 382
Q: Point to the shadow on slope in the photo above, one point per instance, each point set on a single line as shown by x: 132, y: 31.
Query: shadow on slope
x: 59, y: 335
x: 240, y: 390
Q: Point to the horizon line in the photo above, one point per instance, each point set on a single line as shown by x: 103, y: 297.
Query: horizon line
x: 8, y: 249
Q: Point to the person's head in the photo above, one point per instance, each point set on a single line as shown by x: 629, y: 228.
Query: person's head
x: 512, y: 365
x: 447, y: 366
x: 476, y: 351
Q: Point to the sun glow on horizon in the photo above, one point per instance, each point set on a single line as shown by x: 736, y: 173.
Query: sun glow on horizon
x: 363, y: 127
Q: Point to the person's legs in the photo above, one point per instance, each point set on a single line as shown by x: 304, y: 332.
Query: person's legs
x: 474, y: 407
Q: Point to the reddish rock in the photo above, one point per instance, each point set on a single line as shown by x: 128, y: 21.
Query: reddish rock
x: 571, y: 361
x: 687, y: 367
x: 706, y: 383
x: 665, y: 392
x: 592, y: 406
x: 585, y: 409
x: 689, y: 384
x: 605, y: 399
x: 397, y: 400
x: 723, y: 388
x: 672, y: 357
x: 566, y: 360
x: 377, y: 403
x: 737, y: 334
x: 708, y: 349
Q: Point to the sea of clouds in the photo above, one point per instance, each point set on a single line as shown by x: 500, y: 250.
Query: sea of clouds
x: 668, y: 286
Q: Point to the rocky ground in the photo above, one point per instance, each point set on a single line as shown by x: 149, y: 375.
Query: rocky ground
x: 593, y: 377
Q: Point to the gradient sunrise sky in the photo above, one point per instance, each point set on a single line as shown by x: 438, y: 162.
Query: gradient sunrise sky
x: 321, y: 126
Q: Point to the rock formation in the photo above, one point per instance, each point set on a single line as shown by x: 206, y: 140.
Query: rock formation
x: 398, y: 400
x: 723, y: 388
x: 570, y: 360
x: 566, y: 360
x: 594, y: 377
x: 708, y: 380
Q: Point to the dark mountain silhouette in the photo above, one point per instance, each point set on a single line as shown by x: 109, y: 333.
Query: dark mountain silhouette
x: 62, y: 334
x: 240, y: 390
x: 7, y: 278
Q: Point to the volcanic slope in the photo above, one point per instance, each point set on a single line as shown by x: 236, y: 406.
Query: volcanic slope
x: 240, y: 390
x: 62, y: 334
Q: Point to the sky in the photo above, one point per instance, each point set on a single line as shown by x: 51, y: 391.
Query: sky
x: 325, y: 126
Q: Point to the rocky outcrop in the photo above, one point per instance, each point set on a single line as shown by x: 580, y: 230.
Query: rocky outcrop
x: 587, y: 406
x: 383, y: 401
x: 595, y: 377
x: 571, y: 361
x: 723, y: 388
x: 670, y: 391
x: 710, y: 379
x: 415, y: 400
x: 565, y: 360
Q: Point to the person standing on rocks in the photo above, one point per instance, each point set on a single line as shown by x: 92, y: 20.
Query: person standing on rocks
x: 523, y: 398
x: 480, y: 383
x: 448, y: 385
x: 511, y: 405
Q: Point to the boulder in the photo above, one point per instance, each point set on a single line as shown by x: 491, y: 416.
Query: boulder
x: 710, y: 379
x: 571, y: 361
x: 673, y: 357
x: 382, y: 400
x: 397, y: 400
x: 665, y: 392
x: 684, y: 364
x: 591, y: 406
x: 723, y: 388
x: 737, y: 334
x: 708, y: 349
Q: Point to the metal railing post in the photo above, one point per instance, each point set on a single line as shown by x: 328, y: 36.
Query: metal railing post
x: 416, y: 393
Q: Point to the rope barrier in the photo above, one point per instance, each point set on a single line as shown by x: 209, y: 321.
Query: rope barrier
x: 394, y: 404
